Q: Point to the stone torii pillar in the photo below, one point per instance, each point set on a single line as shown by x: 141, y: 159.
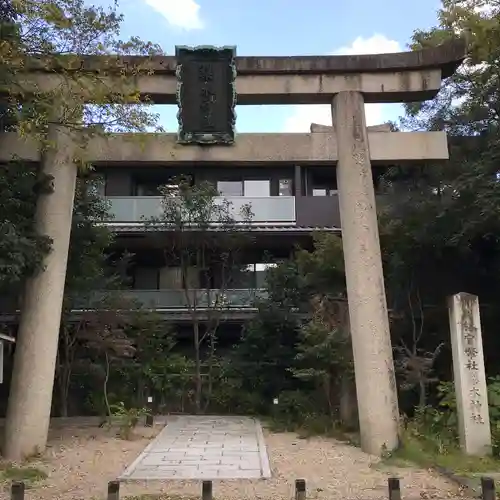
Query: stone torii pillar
x: 371, y: 341
x: 28, y: 411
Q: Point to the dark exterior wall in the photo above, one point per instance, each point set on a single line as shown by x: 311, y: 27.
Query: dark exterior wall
x: 124, y: 181
x: 317, y: 211
x: 118, y: 183
x: 148, y: 278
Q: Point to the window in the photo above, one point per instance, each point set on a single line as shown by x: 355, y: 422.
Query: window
x: 259, y: 271
x: 230, y: 188
x: 285, y: 187
x: 257, y: 188
x: 148, y: 189
x: 324, y: 192
x: 319, y: 192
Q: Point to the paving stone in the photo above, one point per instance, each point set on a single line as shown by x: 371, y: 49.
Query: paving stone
x: 198, y: 447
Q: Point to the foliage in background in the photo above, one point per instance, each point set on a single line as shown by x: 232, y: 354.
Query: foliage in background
x: 431, y: 436
x: 297, y: 348
x: 56, y: 31
x: 51, y: 34
x: 204, y: 234
x: 21, y: 248
x: 439, y: 230
x: 439, y: 223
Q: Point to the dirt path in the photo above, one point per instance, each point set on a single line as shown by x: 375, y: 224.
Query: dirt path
x: 79, y: 463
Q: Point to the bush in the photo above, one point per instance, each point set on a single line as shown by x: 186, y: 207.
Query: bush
x: 438, y: 427
x: 293, y: 409
x: 126, y: 418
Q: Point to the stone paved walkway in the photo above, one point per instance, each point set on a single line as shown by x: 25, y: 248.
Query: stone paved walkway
x: 203, y: 447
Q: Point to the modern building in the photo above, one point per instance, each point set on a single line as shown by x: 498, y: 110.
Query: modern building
x: 289, y: 202
x: 288, y: 180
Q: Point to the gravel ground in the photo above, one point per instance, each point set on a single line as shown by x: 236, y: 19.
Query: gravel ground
x: 80, y: 462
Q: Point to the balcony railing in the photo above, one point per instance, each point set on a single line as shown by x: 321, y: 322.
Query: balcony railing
x: 277, y: 209
x: 176, y: 299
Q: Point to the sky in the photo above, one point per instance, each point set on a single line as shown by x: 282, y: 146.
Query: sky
x: 281, y: 28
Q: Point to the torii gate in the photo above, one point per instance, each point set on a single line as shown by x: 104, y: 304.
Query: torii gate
x: 345, y: 82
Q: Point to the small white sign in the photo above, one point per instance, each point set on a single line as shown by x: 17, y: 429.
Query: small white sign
x: 275, y: 401
x: 150, y: 399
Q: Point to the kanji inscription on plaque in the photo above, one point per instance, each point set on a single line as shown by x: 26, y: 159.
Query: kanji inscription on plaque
x: 206, y: 95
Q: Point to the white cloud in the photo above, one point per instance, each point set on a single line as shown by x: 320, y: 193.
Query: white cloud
x: 304, y: 115
x: 183, y: 14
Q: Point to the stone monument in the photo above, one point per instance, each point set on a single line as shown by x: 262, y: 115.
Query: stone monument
x: 469, y: 374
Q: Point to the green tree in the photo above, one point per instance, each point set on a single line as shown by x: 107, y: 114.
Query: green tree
x: 203, y: 240
x: 300, y: 339
x: 157, y: 369
x: 62, y: 112
x: 9, y: 37
x: 21, y: 248
x: 324, y: 348
x: 91, y: 281
x: 439, y: 225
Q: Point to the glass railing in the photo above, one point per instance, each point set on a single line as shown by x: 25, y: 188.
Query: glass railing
x: 278, y: 209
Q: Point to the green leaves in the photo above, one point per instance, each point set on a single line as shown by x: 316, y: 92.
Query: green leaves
x: 21, y: 248
x: 298, y: 340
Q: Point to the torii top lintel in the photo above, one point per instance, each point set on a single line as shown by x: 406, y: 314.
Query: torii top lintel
x: 393, y: 77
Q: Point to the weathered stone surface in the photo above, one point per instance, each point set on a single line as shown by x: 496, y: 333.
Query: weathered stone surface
x: 446, y: 56
x: 320, y: 149
x: 369, y: 323
x: 200, y: 447
x: 280, y: 88
x: 28, y: 412
x: 395, y: 77
x: 317, y: 128
x: 469, y: 374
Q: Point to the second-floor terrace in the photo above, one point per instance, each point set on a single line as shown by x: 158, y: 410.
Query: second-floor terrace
x: 293, y: 196
x: 288, y: 179
x: 152, y: 282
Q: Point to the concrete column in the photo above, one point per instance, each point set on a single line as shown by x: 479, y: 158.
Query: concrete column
x: 372, y: 350
x: 469, y: 374
x: 30, y: 400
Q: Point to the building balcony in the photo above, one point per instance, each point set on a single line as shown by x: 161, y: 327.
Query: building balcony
x: 234, y: 305
x: 288, y: 211
x: 272, y: 209
x: 177, y: 300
